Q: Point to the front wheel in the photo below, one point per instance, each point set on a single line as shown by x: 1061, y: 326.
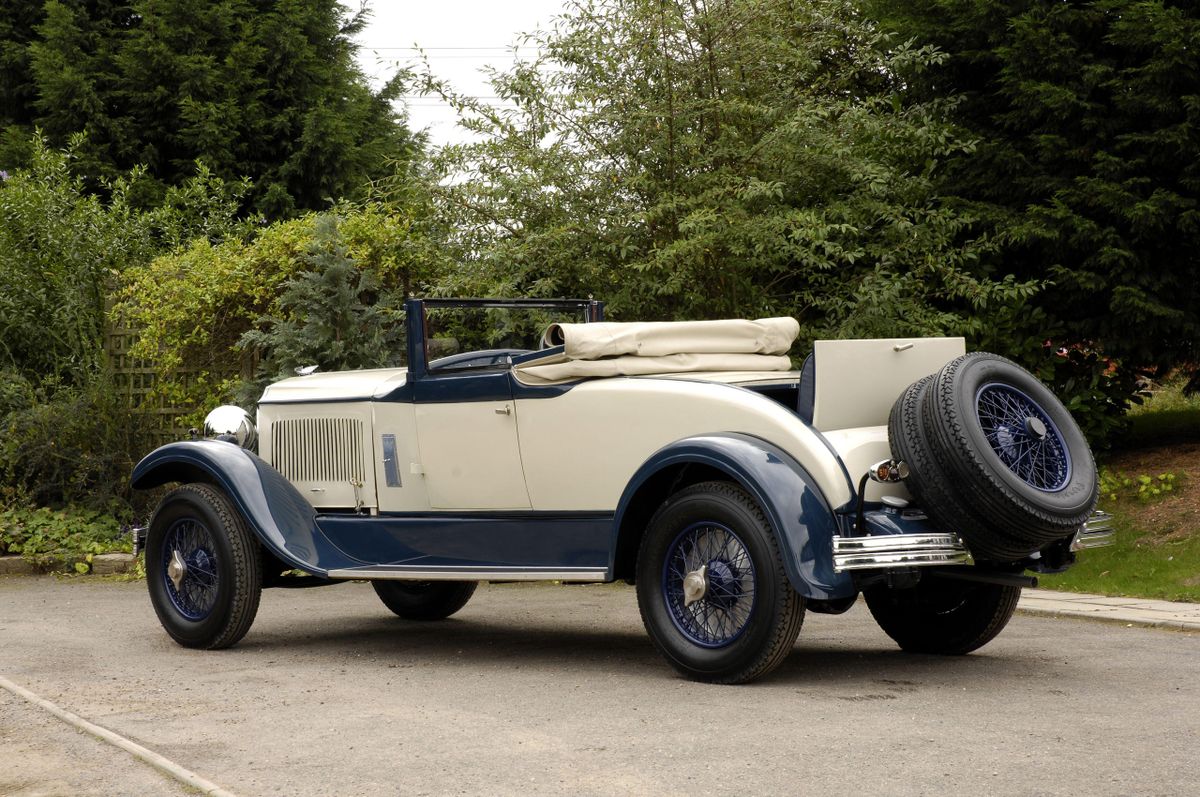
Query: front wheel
x: 424, y: 600
x: 711, y: 586
x: 944, y: 617
x: 203, y: 568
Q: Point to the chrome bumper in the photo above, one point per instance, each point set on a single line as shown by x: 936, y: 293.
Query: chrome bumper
x: 898, y: 550
x: 1097, y: 532
x: 923, y: 550
x: 138, y: 534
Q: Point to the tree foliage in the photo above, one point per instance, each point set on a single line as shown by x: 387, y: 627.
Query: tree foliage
x: 692, y: 159
x: 277, y: 284
x: 331, y: 314
x: 60, y: 247
x: 264, y: 89
x: 1087, y: 168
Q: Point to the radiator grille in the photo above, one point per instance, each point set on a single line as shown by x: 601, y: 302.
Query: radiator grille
x: 318, y: 449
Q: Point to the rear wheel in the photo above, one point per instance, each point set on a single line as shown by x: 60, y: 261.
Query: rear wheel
x: 203, y: 568
x: 945, y: 617
x: 711, y: 586
x: 424, y: 600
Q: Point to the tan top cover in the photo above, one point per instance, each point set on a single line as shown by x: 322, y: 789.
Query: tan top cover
x: 668, y: 347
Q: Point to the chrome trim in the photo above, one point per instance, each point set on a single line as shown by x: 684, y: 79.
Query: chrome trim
x: 888, y: 470
x: 471, y: 573
x: 898, y: 550
x: 232, y: 423
x: 695, y: 585
x: 1096, y: 532
x: 391, y: 468
x: 138, y: 533
x: 177, y: 569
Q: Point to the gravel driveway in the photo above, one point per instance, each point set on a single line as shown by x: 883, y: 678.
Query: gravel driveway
x: 556, y: 690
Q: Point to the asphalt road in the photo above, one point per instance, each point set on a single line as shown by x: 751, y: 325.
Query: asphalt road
x: 556, y: 690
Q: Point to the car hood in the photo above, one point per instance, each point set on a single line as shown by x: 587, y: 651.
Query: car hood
x: 336, y: 386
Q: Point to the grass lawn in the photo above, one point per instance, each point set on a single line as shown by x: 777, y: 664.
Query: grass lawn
x: 1157, y: 536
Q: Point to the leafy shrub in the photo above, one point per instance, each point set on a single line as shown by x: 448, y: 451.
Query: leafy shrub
x: 190, y: 308
x: 60, y: 247
x: 41, y: 535
x: 1142, y: 487
x: 330, y: 314
x: 16, y: 393
x: 73, y: 445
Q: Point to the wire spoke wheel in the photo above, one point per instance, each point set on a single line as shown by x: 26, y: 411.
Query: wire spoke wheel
x: 995, y: 458
x: 722, y: 614
x: 1023, y: 436
x: 711, y: 586
x: 189, y: 543
x: 203, y: 568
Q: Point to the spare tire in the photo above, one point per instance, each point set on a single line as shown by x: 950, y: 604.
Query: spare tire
x: 994, y: 456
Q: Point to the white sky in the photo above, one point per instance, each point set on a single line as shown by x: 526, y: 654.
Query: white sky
x: 459, y: 37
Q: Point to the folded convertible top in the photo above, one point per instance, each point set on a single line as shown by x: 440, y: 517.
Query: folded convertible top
x: 668, y: 347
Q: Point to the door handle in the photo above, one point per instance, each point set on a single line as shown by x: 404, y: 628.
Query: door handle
x: 505, y: 410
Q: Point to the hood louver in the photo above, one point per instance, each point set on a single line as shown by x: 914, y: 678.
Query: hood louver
x: 319, y: 449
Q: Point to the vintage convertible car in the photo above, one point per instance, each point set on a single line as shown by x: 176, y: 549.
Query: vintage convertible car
x: 687, y: 458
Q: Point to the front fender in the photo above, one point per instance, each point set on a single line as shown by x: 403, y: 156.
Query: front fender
x: 800, y: 516
x: 278, y: 514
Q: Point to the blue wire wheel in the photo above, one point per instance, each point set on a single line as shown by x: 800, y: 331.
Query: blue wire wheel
x: 196, y: 594
x: 723, y: 613
x: 1023, y: 436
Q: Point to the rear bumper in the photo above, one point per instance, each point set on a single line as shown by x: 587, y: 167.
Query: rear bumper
x: 898, y: 550
x: 931, y: 549
x: 1097, y: 532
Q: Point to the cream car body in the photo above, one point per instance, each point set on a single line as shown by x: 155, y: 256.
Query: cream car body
x: 556, y: 463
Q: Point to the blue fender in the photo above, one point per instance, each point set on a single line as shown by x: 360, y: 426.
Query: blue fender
x: 803, y: 521
x: 275, y: 510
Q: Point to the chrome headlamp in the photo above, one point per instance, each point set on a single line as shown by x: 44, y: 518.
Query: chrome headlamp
x: 232, y: 424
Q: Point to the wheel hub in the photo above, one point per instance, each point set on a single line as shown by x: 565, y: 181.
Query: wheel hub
x: 1023, y: 436
x: 1035, y: 428
x: 724, y: 585
x: 695, y: 585
x: 177, y: 569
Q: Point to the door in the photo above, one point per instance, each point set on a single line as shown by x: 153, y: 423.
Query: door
x: 467, y: 432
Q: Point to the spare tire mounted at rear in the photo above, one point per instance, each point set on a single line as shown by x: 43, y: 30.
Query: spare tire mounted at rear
x: 994, y: 456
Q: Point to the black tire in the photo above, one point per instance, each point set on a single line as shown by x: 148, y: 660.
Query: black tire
x: 217, y: 597
x: 748, y: 619
x: 424, y: 600
x: 948, y: 618
x: 934, y: 489
x: 994, y: 456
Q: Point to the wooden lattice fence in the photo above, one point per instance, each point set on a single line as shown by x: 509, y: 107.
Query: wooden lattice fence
x: 136, y: 379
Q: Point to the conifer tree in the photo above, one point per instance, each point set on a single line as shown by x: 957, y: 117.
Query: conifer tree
x: 1087, y: 168
x: 264, y: 89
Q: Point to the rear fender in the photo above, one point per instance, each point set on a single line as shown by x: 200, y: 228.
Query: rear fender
x: 278, y: 514
x: 801, y: 518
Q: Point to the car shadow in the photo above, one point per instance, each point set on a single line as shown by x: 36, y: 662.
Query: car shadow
x: 462, y: 641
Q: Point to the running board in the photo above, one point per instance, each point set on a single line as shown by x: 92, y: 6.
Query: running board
x: 471, y: 573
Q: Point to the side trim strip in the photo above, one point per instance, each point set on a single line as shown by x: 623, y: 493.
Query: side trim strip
x: 471, y: 573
